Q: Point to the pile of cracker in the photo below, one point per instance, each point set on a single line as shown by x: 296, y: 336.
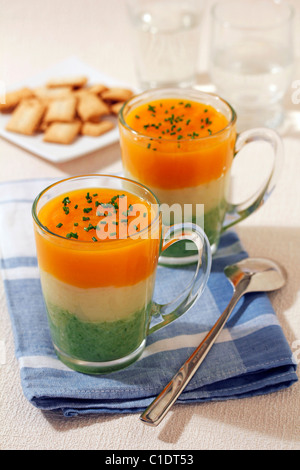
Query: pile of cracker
x: 64, y: 109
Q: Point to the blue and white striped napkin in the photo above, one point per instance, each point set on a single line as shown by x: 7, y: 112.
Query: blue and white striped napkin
x: 251, y: 356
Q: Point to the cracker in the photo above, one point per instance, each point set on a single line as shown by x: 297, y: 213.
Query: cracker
x: 62, y: 110
x: 62, y: 132
x: 116, y: 94
x: 90, y: 107
x: 26, y: 117
x: 74, y: 82
x: 115, y: 108
x: 80, y: 92
x: 97, y: 89
x: 94, y: 129
x: 46, y: 93
x: 13, y: 98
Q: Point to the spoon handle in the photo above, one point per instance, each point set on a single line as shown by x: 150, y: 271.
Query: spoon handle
x: 160, y: 406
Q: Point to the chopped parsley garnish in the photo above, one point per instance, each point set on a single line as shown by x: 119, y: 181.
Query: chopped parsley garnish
x: 66, y: 200
x: 72, y: 235
x: 107, y: 212
x: 89, y: 227
x: 151, y: 108
x: 175, y: 121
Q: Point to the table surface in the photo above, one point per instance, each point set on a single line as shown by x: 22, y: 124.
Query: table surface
x: 35, y: 38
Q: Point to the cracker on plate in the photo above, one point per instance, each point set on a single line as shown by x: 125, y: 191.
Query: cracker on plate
x: 13, y: 98
x: 64, y: 105
x: 116, y: 94
x: 61, y: 110
x: 62, y: 132
x: 26, y: 117
x: 45, y: 93
x: 91, y: 107
x: 74, y: 82
x: 115, y: 108
x: 97, y: 89
x: 94, y: 129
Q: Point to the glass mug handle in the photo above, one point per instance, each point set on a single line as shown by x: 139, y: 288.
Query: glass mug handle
x: 238, y: 212
x: 163, y: 314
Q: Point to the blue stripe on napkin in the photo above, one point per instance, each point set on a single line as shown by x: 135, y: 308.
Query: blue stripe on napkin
x: 251, y: 356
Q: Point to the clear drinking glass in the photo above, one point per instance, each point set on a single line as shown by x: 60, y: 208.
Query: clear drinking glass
x: 166, y: 38
x: 251, y: 58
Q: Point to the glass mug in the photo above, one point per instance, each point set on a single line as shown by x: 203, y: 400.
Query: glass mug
x: 98, y: 277
x: 191, y: 168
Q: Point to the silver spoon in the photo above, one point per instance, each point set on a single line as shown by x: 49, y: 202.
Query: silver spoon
x: 248, y: 275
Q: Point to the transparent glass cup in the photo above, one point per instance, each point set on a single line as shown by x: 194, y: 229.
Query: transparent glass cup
x: 198, y: 170
x: 165, y: 40
x: 99, y: 294
x: 251, y: 58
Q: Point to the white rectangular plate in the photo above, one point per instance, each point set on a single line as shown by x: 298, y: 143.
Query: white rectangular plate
x: 83, y: 145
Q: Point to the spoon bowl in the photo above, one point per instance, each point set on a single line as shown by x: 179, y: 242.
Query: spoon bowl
x: 261, y: 274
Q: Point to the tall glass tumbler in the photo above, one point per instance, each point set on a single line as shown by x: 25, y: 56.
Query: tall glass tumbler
x: 166, y: 39
x: 251, y: 58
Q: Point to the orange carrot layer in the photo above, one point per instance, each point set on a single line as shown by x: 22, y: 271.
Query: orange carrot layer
x: 183, y: 147
x: 99, y: 238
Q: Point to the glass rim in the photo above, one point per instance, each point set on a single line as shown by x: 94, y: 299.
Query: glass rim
x: 234, y: 25
x: 87, y: 242
x: 182, y: 91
